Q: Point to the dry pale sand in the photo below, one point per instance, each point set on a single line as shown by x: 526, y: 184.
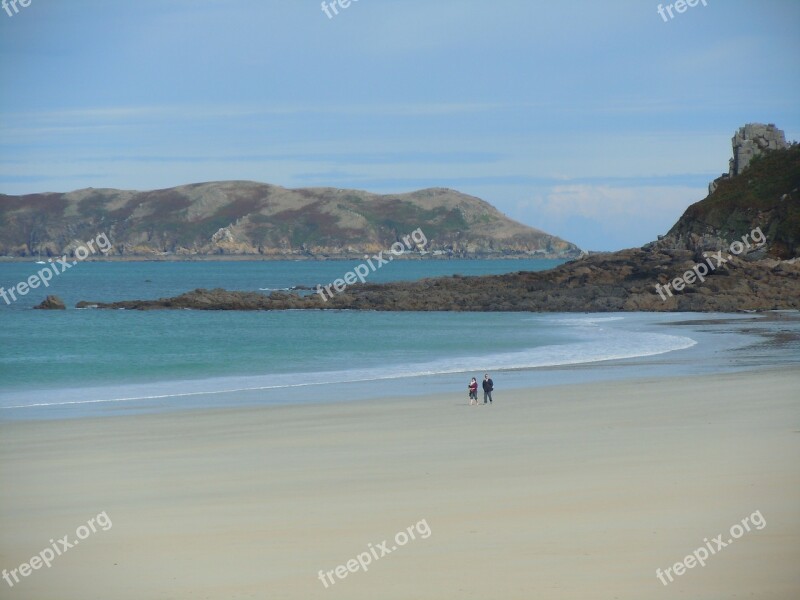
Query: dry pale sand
x: 568, y: 492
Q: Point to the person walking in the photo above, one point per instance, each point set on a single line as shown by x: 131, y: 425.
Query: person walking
x: 488, y: 386
x: 473, y: 392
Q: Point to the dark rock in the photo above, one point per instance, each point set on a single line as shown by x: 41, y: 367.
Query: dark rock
x: 51, y: 303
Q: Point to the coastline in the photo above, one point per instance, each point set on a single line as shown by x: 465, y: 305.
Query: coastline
x: 297, y: 257
x: 572, y: 491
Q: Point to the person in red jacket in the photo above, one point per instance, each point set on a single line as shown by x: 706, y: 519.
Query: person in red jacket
x: 473, y: 392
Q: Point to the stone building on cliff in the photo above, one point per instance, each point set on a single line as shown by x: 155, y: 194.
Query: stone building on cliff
x: 750, y: 141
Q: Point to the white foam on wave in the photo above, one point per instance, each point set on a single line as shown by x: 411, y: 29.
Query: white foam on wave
x: 590, y: 321
x: 598, y: 345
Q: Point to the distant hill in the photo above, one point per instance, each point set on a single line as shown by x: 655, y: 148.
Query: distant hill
x: 244, y: 218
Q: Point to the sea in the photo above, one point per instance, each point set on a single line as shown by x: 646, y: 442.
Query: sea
x: 80, y: 363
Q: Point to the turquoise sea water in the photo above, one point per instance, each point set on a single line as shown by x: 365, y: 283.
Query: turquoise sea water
x: 88, y: 362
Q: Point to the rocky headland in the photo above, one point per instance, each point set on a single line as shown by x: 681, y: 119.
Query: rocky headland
x: 746, y: 233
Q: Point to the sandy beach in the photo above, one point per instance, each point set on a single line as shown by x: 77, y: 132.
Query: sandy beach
x: 568, y: 492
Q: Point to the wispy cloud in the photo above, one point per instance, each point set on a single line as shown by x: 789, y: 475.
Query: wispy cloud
x: 126, y: 114
x: 604, y: 217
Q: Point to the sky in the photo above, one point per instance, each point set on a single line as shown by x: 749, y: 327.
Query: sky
x: 597, y: 121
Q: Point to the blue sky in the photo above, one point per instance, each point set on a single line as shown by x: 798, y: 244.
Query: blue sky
x: 593, y: 120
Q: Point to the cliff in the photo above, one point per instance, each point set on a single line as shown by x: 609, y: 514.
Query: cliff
x: 765, y: 195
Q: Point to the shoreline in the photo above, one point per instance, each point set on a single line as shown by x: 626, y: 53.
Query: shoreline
x: 737, y: 342
x: 570, y: 491
x: 562, y: 389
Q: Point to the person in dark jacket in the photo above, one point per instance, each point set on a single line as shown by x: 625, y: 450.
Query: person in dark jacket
x: 488, y: 386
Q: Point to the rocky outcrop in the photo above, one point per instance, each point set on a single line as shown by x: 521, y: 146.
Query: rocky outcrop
x: 618, y: 281
x: 249, y: 219
x: 750, y: 141
x: 51, y: 303
x: 766, y: 196
x: 199, y: 299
